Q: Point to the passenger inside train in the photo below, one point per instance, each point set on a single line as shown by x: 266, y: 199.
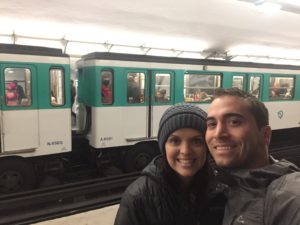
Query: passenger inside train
x: 106, y: 93
x: 161, y: 96
x: 53, y: 99
x: 73, y: 96
x: 20, y: 92
x: 11, y: 94
x: 133, y: 90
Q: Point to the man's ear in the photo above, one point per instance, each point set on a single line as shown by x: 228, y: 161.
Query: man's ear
x: 267, y: 132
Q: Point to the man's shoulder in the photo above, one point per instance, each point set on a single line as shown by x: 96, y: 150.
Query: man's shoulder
x: 287, y: 183
x: 283, y: 200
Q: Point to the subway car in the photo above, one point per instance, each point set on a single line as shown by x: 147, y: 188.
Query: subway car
x: 121, y: 98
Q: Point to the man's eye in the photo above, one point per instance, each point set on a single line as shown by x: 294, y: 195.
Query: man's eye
x: 210, y: 124
x: 234, y: 122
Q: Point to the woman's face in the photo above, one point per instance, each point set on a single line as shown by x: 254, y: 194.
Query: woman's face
x: 186, y: 152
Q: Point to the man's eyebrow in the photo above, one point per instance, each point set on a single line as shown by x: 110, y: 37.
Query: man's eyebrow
x: 210, y: 118
x: 227, y: 115
x: 234, y: 115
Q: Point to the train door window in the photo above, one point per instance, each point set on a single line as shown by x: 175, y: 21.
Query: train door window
x: 57, y: 87
x: 162, y: 87
x: 135, y: 87
x: 254, y: 85
x: 281, y: 88
x: 200, y: 87
x: 238, y: 82
x: 106, y: 87
x: 17, y: 86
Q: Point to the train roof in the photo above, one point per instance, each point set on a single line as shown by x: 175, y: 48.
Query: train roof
x: 162, y: 59
x: 31, y: 50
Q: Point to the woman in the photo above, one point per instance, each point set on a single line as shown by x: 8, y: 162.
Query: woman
x: 11, y: 94
x: 106, y: 92
x: 174, y: 187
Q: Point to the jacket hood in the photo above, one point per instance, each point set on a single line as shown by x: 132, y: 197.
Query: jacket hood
x: 153, y: 168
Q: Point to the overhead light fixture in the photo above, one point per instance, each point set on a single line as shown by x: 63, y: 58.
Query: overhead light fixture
x: 259, y: 2
x: 293, y: 2
x: 292, y: 6
x: 268, y: 7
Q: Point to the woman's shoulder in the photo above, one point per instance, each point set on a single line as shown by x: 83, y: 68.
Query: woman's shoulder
x: 145, y: 185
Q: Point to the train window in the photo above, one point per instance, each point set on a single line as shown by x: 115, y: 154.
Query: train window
x: 281, y: 88
x: 238, y: 82
x: 135, y: 87
x: 254, y: 84
x: 17, y: 86
x: 200, y: 87
x: 106, y: 87
x: 162, y: 87
x: 57, y: 87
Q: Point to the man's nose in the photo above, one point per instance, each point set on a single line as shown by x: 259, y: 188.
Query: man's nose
x: 221, y: 130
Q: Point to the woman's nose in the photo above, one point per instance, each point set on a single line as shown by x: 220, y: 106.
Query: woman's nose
x: 185, y: 147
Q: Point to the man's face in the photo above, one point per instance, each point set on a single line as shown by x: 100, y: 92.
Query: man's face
x: 233, y: 137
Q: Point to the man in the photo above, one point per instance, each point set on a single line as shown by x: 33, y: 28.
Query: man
x: 20, y: 91
x: 133, y: 91
x: 261, y: 190
x: 161, y: 96
x: 73, y: 95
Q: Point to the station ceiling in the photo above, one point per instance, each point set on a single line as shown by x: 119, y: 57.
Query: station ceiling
x: 223, y: 29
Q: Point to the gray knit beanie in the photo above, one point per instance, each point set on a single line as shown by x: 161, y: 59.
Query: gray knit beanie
x: 182, y: 115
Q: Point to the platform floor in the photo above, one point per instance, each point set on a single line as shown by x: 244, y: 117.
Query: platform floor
x: 104, y: 216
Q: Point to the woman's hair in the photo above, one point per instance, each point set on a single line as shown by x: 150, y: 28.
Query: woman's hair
x: 200, y: 183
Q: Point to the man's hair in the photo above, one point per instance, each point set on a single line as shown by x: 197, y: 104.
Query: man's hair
x: 105, y: 82
x: 257, y: 108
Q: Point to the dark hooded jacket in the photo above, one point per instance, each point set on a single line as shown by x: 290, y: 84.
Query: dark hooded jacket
x: 264, y: 196
x: 151, y: 200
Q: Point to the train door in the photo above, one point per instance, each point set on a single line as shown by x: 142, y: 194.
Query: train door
x: 19, y: 115
x: 162, y: 96
x: 251, y: 83
x: 149, y: 93
x: 135, y: 115
x: 254, y: 85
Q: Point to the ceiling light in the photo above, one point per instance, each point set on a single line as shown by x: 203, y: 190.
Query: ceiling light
x: 293, y: 2
x: 259, y: 2
x: 268, y: 7
x: 292, y: 6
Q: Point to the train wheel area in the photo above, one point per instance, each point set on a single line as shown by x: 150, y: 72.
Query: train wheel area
x: 20, y: 174
x: 139, y: 156
x: 16, y: 174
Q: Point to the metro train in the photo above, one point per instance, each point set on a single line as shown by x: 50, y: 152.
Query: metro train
x: 121, y: 98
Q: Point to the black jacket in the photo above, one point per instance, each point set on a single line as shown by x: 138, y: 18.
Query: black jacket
x: 264, y: 196
x: 151, y: 200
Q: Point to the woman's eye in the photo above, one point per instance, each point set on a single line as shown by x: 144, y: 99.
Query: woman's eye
x: 174, y: 140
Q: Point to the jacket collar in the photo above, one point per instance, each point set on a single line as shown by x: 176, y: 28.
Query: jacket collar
x: 256, y: 178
